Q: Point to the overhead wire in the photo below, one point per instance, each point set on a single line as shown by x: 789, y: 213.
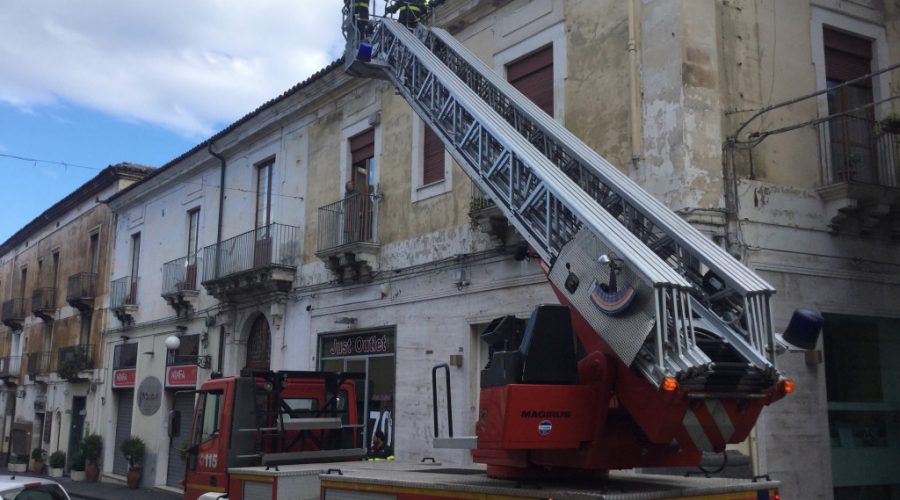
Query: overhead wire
x: 35, y: 161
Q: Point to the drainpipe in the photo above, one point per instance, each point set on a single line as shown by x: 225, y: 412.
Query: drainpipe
x: 209, y: 147
x: 637, y: 139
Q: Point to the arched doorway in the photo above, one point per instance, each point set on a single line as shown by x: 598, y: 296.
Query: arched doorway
x: 259, y: 344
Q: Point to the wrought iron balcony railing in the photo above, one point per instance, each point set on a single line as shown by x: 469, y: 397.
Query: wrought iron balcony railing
x: 353, y: 219
x: 275, y: 245
x: 124, y: 292
x: 10, y: 366
x: 173, y: 359
x: 13, y: 313
x: 858, y: 151
x: 38, y: 363
x: 72, y: 359
x: 82, y: 287
x: 479, y: 200
x: 43, y: 301
x: 180, y: 275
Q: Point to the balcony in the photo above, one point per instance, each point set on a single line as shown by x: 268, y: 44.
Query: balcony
x: 348, y: 237
x: 43, y: 303
x: 13, y: 314
x: 82, y: 291
x: 485, y: 214
x: 123, y: 299
x: 860, y: 175
x: 258, y: 262
x: 38, y: 363
x: 180, y: 284
x: 10, y: 366
x: 72, y: 360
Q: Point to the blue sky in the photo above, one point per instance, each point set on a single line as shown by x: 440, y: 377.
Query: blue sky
x: 99, y: 82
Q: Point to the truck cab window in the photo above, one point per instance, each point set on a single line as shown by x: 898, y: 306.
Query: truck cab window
x: 208, y: 413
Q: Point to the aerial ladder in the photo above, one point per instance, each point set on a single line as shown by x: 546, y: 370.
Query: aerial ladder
x: 677, y: 335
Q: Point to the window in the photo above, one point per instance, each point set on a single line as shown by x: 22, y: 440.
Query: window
x: 125, y: 356
x: 34, y: 491
x: 259, y: 345
x: 852, y: 144
x: 210, y: 402
x: 187, y: 351
x: 135, y: 268
x: 23, y: 279
x: 358, y: 207
x: 55, y: 268
x: 94, y: 252
x: 193, y: 239
x: 532, y: 75
x: 264, y: 193
x: 433, y: 163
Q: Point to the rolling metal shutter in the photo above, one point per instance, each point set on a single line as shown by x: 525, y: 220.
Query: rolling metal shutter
x: 124, y: 408
x: 184, y: 403
x: 532, y: 75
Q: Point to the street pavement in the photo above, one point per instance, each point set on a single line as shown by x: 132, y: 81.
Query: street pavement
x: 105, y: 490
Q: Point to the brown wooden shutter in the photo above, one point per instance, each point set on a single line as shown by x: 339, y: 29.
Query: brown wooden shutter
x: 532, y: 75
x: 433, y: 164
x: 847, y: 57
x: 362, y: 146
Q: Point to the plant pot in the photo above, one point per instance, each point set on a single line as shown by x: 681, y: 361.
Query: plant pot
x: 56, y: 471
x: 17, y: 467
x: 134, y: 478
x: 76, y: 475
x: 38, y: 467
x: 91, y: 473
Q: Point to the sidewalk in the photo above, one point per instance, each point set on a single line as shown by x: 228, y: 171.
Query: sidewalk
x: 106, y: 490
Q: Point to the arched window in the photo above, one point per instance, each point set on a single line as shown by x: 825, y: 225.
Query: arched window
x: 259, y: 345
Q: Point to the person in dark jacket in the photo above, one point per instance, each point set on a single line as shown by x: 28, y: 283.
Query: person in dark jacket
x: 410, y: 11
x: 360, y: 11
x: 379, y: 447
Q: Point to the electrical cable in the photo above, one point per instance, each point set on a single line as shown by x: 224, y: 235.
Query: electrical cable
x: 35, y: 161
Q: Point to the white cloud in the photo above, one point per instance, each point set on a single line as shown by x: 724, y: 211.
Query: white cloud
x: 186, y: 66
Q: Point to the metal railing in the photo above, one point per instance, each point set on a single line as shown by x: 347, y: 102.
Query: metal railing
x: 124, y: 292
x: 82, y: 286
x: 13, y: 309
x: 479, y: 200
x: 75, y: 358
x: 43, y: 299
x: 38, y: 362
x: 180, y: 275
x: 173, y: 359
x: 275, y: 245
x: 353, y: 219
x: 10, y: 365
x: 858, y: 151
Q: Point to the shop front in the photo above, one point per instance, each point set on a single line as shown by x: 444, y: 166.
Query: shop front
x: 372, y: 352
x: 124, y: 376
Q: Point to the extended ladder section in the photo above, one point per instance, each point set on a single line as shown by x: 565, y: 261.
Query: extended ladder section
x: 667, y: 300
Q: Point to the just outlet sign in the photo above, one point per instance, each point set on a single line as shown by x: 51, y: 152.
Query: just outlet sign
x: 181, y: 376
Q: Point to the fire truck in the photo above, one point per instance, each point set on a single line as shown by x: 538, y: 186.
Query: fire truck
x: 662, y: 347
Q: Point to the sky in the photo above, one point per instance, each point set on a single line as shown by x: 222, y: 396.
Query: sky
x: 87, y: 84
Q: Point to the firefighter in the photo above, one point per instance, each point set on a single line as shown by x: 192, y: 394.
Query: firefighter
x: 410, y: 11
x: 360, y: 11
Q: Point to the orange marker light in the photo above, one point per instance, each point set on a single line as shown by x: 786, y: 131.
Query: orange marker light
x: 669, y: 384
x: 788, y: 386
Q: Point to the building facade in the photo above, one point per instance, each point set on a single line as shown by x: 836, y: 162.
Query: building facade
x: 328, y: 229
x: 53, y: 274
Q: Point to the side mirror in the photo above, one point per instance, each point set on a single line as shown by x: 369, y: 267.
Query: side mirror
x: 174, y: 424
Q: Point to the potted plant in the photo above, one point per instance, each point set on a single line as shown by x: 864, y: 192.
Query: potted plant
x: 133, y: 448
x: 57, y: 463
x: 38, y: 455
x: 92, y: 447
x: 76, y: 471
x: 17, y: 463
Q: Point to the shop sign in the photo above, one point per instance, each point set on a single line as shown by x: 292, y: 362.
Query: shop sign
x: 358, y: 344
x: 149, y: 396
x: 181, y: 376
x: 124, y: 378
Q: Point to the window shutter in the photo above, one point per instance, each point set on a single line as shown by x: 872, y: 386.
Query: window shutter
x: 847, y: 57
x: 362, y: 146
x: 532, y: 75
x: 433, y: 164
